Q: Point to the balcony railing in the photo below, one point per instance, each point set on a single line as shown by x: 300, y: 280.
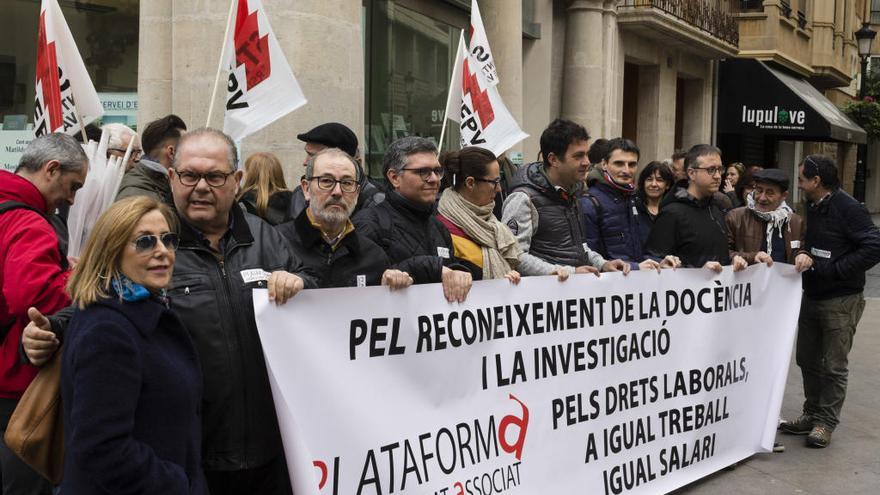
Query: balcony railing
x: 702, y: 14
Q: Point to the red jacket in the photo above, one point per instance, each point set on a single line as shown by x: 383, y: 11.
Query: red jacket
x: 30, y: 275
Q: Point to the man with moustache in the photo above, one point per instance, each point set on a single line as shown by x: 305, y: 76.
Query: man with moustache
x: 336, y: 253
x: 690, y: 226
x: 542, y: 209
x: 405, y: 224
x: 610, y: 211
x: 766, y: 229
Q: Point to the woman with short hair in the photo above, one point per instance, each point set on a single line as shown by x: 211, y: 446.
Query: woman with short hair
x: 131, y: 385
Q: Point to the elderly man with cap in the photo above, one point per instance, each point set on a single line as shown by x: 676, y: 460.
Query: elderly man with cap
x: 766, y: 229
x: 334, y: 135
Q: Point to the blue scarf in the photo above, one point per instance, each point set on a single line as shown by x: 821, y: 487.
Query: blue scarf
x: 129, y: 290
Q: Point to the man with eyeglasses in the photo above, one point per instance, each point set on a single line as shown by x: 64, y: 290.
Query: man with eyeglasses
x: 542, y: 209
x: 333, y: 250
x: 840, y: 245
x: 117, y: 144
x: 405, y: 224
x: 690, y: 226
x: 224, y: 253
x: 33, y: 272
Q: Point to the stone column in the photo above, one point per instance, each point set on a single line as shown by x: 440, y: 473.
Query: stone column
x: 583, y: 76
x: 503, y: 22
x: 656, y: 125
x: 155, y: 61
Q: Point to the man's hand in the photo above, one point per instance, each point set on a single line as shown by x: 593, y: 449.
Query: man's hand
x: 739, y: 263
x: 587, y: 269
x: 283, y: 285
x: 72, y: 261
x: 670, y: 261
x: 38, y: 340
x: 803, y: 262
x: 649, y: 264
x: 561, y: 274
x: 396, y: 279
x: 763, y: 257
x: 714, y: 266
x: 456, y: 284
x: 616, y: 266
x: 513, y: 276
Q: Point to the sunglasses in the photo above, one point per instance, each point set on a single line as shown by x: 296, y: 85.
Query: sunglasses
x: 147, y: 243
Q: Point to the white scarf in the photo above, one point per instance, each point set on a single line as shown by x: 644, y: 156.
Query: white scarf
x: 776, y: 219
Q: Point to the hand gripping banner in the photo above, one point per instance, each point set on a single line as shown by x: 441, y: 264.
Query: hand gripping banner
x: 638, y: 384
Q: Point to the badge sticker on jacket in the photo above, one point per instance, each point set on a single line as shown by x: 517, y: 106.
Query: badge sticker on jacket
x: 795, y: 244
x: 361, y: 280
x: 254, y: 275
x: 820, y: 253
x: 443, y: 252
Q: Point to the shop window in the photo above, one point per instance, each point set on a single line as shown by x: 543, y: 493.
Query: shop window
x: 875, y: 11
x: 106, y: 34
x: 409, y: 59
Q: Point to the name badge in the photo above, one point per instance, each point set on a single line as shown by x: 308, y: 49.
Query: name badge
x: 635, y: 212
x: 795, y: 244
x: 361, y: 280
x: 254, y: 275
x: 821, y: 253
x: 443, y: 252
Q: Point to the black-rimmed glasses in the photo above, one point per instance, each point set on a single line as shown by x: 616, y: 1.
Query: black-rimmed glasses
x: 425, y: 172
x: 327, y: 183
x: 213, y: 179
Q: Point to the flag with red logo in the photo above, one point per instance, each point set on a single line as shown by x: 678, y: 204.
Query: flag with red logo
x: 483, y: 119
x: 478, y: 46
x: 260, y: 86
x: 61, y: 78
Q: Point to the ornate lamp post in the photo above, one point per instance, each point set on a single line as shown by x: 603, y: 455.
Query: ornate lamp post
x: 864, y: 37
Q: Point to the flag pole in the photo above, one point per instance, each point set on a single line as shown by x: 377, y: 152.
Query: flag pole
x: 449, y: 95
x: 220, y: 65
x: 82, y: 125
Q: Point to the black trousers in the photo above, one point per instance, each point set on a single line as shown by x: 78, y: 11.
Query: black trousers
x: 270, y: 479
x: 16, y: 477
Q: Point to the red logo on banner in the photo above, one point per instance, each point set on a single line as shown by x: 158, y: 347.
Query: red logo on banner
x: 250, y: 49
x: 47, y: 75
x: 480, y: 98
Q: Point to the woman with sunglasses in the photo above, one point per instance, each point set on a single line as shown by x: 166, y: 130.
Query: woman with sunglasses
x: 478, y: 238
x: 131, y: 385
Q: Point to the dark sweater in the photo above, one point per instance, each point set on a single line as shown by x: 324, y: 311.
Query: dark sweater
x: 843, y: 242
x: 691, y: 229
x: 131, y: 388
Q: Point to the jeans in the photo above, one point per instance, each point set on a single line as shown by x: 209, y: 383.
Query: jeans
x: 825, y: 336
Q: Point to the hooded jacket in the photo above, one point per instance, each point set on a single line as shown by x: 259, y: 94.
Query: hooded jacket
x: 843, y: 242
x: 144, y: 180
x: 690, y: 228
x: 32, y: 273
x: 278, y: 208
x: 614, y: 228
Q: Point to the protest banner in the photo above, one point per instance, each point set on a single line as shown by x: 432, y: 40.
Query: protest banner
x: 636, y: 384
x: 260, y: 86
x: 64, y: 98
x: 476, y: 105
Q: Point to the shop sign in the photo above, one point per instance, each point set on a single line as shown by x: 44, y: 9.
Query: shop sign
x: 12, y: 145
x: 774, y: 118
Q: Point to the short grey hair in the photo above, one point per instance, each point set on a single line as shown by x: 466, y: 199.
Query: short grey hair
x: 336, y: 152
x: 398, y: 152
x: 117, y: 132
x: 232, y: 157
x: 55, y: 146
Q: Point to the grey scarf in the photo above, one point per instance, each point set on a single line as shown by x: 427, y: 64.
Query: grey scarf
x: 777, y: 219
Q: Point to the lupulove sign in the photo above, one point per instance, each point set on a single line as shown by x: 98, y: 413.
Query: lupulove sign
x: 635, y: 384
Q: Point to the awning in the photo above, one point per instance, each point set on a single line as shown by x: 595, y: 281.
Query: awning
x: 755, y: 98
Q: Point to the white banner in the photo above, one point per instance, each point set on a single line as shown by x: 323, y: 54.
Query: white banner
x: 477, y: 106
x: 637, y: 384
x: 61, y: 78
x: 260, y: 87
x: 479, y: 46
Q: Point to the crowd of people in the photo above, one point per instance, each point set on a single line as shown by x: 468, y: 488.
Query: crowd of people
x: 164, y: 385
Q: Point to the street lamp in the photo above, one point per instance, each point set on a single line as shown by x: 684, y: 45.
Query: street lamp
x: 864, y: 37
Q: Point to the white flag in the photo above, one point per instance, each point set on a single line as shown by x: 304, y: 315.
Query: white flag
x: 479, y: 46
x: 61, y: 78
x: 476, y: 105
x: 261, y: 88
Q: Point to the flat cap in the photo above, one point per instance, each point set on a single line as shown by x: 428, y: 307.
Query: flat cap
x: 332, y: 135
x: 774, y: 176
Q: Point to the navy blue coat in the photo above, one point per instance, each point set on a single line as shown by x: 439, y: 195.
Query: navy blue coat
x: 131, y: 388
x: 619, y: 233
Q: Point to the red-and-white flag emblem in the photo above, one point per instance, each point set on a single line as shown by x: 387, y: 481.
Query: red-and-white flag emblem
x: 483, y: 119
x: 260, y: 85
x: 61, y: 78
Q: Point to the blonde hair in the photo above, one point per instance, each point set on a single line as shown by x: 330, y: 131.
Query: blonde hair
x: 102, y: 256
x: 263, y: 174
